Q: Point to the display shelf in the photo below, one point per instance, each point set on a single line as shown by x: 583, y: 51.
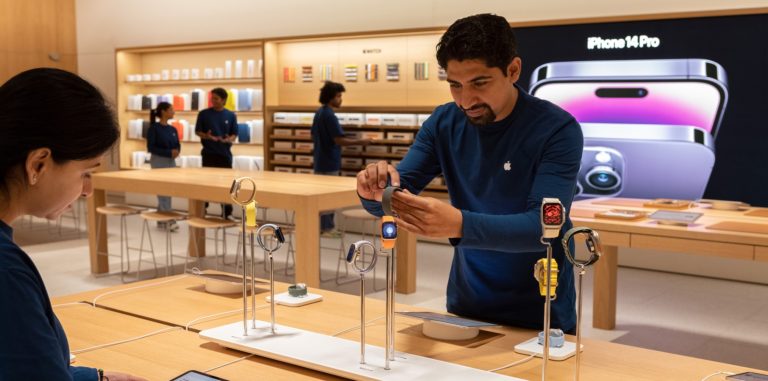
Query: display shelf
x: 292, y: 150
x: 212, y: 82
x: 291, y: 163
x: 291, y: 137
x: 199, y: 144
x: 154, y: 60
x: 195, y: 112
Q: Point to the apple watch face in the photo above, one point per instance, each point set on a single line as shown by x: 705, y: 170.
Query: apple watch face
x: 351, y: 254
x: 389, y: 230
x: 552, y: 214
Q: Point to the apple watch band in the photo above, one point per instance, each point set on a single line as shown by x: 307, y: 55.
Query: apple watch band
x: 386, y: 200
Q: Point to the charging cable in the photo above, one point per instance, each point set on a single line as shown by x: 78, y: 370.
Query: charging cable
x: 369, y: 322
x: 72, y: 304
x: 516, y: 363
x: 228, y: 363
x: 153, y: 333
x: 721, y: 372
x: 135, y: 288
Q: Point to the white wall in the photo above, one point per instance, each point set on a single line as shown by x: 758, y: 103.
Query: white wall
x: 103, y: 25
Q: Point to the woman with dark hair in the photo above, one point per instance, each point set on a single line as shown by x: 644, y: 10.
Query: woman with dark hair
x: 55, y: 128
x: 163, y: 144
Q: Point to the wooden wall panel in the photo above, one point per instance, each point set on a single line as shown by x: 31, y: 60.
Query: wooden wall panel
x: 31, y: 30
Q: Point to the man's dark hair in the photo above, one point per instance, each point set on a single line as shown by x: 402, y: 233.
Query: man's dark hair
x: 55, y: 109
x: 221, y: 93
x: 483, y: 37
x: 329, y: 91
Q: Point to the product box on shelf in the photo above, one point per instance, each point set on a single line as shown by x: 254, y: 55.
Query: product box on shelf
x: 374, y: 135
x: 283, y: 169
x: 399, y: 135
x: 355, y: 119
x: 400, y: 150
x: 306, y: 132
x: 407, y: 120
x: 306, y: 118
x: 280, y: 117
x: 283, y: 157
x: 282, y: 144
x: 421, y: 118
x: 304, y: 170
x: 351, y: 162
x: 305, y: 145
x: 373, y: 119
x: 377, y: 149
x: 282, y: 131
x: 389, y: 119
x: 308, y: 159
x: 352, y: 149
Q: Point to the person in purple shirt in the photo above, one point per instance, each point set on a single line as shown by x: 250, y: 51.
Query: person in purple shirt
x: 501, y: 151
x: 56, y: 128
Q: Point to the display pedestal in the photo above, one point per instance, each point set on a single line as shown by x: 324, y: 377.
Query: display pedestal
x: 338, y: 356
x: 285, y: 299
x: 532, y: 347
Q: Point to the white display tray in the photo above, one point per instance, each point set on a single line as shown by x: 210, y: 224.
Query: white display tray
x: 337, y: 356
x: 532, y: 347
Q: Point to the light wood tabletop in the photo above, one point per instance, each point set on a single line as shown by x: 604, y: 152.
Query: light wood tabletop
x: 305, y: 194
x: 178, y: 300
x: 736, y: 234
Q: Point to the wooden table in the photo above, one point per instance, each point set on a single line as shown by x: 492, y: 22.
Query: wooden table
x: 746, y: 239
x: 177, y: 300
x: 305, y: 194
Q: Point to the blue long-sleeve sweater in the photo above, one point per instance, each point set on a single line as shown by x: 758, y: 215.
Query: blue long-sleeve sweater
x: 162, y: 139
x: 33, y: 345
x: 497, y: 176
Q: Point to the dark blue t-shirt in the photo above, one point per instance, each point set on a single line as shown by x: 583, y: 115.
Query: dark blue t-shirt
x: 33, y: 345
x: 326, y: 127
x: 220, y: 123
x: 162, y: 139
x: 497, y: 176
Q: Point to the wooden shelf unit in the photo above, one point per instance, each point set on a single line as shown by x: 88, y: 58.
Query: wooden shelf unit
x: 192, y: 56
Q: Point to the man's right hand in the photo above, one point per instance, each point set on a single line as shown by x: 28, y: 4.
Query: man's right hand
x: 174, y: 153
x: 372, y: 180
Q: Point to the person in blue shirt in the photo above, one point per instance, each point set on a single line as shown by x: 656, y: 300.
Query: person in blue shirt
x: 501, y: 152
x: 217, y: 129
x: 163, y: 144
x: 56, y: 128
x: 328, y: 137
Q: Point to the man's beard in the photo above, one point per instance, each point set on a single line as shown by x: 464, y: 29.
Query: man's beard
x: 486, y: 118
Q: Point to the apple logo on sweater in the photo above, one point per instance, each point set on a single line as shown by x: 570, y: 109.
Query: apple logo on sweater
x: 507, y: 166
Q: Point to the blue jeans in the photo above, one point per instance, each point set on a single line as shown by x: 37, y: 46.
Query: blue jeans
x: 326, y: 219
x: 157, y: 161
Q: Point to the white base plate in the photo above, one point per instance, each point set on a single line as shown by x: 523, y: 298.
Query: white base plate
x: 532, y: 347
x: 286, y: 299
x: 338, y: 356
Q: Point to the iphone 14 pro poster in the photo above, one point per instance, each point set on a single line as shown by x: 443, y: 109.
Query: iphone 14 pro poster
x: 669, y: 108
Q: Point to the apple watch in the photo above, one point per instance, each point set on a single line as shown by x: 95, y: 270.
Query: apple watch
x: 386, y: 200
x: 593, y: 246
x: 552, y: 217
x: 355, y: 256
x: 540, y: 273
x: 388, y: 232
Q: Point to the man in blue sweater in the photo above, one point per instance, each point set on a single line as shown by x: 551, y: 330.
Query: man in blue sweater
x: 501, y: 152
x: 217, y: 129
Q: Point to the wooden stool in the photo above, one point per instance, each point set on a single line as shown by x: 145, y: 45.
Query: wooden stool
x: 123, y: 211
x: 217, y: 224
x: 168, y: 218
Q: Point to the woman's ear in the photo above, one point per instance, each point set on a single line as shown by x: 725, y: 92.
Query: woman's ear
x: 38, y: 161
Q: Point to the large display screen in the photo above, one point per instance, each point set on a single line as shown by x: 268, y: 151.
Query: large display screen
x: 669, y: 108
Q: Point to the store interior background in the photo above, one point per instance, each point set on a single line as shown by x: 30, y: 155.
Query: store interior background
x: 84, y: 34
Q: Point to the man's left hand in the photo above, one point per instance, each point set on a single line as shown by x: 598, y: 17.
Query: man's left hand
x: 426, y: 216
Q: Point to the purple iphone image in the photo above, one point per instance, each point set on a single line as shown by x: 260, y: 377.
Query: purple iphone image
x: 685, y: 92
x: 645, y: 161
x: 660, y: 117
